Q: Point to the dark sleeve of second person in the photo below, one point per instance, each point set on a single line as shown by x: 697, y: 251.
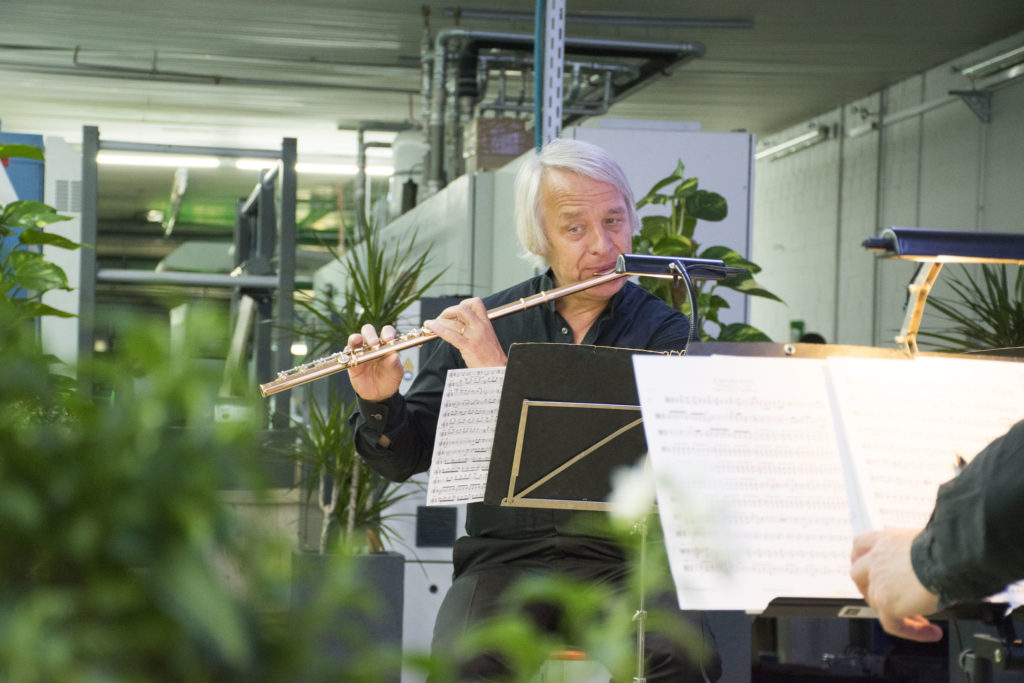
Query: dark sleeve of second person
x: 972, y: 546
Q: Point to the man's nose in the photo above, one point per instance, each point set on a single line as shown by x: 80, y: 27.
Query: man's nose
x: 599, y: 241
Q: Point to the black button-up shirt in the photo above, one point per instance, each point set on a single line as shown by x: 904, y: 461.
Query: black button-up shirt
x: 633, y: 319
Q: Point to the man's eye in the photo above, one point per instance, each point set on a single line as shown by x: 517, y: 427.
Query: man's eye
x: 575, y: 229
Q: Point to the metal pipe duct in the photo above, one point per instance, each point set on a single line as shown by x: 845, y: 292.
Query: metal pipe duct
x: 463, y: 46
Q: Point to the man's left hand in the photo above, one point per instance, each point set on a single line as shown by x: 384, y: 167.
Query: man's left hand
x: 467, y: 327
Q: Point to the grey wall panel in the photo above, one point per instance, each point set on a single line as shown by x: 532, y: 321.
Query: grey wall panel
x: 931, y: 162
x: 950, y: 155
x: 858, y: 219
x: 1003, y: 173
x: 899, y: 190
x: 794, y: 236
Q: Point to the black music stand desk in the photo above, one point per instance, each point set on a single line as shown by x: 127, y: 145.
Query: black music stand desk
x: 569, y: 416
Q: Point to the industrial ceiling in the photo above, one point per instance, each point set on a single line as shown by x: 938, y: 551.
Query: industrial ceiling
x: 234, y: 73
x: 248, y: 72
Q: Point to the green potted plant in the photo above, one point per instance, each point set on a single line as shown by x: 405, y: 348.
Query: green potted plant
x: 981, y: 314
x: 673, y: 235
x: 381, y: 281
x: 25, y: 275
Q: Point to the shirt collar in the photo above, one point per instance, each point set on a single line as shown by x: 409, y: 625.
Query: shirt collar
x: 547, y: 283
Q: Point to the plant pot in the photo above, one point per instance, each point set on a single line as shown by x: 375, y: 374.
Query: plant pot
x: 362, y: 601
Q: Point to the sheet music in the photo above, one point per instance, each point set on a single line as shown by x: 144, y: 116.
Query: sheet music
x: 906, y: 421
x: 465, y: 432
x: 750, y: 484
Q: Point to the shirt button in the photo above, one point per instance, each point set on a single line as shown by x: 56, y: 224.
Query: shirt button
x: 565, y: 330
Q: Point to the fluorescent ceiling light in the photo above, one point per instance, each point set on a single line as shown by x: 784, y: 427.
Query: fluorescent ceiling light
x: 160, y: 160
x: 793, y: 144
x: 299, y: 349
x: 178, y: 161
x: 255, y: 164
x: 1000, y: 61
x: 342, y: 169
x: 327, y: 169
x: 315, y: 167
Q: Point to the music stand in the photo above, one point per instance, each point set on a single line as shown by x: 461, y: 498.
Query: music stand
x: 987, y: 653
x: 556, y: 443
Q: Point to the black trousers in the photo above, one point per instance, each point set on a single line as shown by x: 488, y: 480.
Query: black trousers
x: 478, y: 595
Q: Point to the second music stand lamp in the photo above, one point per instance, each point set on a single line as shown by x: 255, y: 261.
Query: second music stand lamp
x: 933, y: 248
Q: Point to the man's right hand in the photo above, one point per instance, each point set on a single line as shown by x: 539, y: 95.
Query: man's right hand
x: 378, y: 379
x: 882, y: 569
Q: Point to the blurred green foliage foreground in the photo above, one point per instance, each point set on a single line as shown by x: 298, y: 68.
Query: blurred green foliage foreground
x: 120, y: 560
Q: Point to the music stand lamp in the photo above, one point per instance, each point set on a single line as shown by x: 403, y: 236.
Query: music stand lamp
x: 935, y: 248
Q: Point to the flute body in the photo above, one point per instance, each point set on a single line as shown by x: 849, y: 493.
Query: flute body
x: 338, y: 362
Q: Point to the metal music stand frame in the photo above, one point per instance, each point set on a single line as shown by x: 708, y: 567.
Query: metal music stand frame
x: 621, y: 438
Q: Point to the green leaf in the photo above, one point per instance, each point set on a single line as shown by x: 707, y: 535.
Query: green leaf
x: 21, y: 151
x: 742, y: 332
x: 31, y: 271
x: 748, y: 285
x: 654, y: 199
x: 708, y: 206
x: 653, y: 196
x: 36, y: 236
x: 715, y: 302
x: 29, y: 213
x: 680, y: 171
x: 685, y: 189
x: 673, y: 245
x: 642, y: 245
x: 36, y: 309
x: 654, y: 226
x: 689, y: 225
x: 730, y: 257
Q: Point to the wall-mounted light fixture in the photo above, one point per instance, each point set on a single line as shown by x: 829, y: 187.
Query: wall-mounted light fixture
x: 157, y: 160
x: 990, y: 65
x: 185, y: 161
x: 932, y: 248
x: 794, y: 144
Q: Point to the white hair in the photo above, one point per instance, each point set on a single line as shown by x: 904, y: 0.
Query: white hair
x: 574, y: 156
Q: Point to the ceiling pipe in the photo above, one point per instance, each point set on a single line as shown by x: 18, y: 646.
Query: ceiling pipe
x: 79, y: 68
x: 609, y: 19
x: 661, y: 59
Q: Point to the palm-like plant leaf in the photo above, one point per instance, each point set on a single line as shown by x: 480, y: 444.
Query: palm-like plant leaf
x: 382, y: 280
x: 983, y: 313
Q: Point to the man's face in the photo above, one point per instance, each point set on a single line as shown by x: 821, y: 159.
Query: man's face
x: 587, y: 225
